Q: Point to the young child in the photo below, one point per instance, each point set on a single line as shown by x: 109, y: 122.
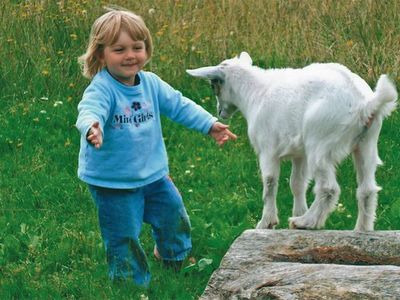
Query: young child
x: 122, y: 157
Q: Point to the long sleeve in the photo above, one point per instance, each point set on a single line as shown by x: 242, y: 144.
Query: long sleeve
x: 94, y: 106
x: 183, y: 110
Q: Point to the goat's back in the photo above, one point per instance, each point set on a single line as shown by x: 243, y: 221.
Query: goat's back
x: 316, y: 107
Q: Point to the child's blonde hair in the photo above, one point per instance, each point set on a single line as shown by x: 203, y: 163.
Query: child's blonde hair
x: 105, y: 31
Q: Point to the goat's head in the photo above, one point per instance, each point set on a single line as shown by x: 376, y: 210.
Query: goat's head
x: 222, y: 90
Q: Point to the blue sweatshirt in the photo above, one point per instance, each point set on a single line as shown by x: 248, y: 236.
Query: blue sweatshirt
x: 133, y: 153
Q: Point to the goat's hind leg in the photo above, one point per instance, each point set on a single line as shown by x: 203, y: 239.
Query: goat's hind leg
x: 366, y: 159
x: 327, y: 193
x: 298, y: 186
x: 270, y: 170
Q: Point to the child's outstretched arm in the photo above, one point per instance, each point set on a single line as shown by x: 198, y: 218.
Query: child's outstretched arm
x: 221, y: 133
x: 95, y: 136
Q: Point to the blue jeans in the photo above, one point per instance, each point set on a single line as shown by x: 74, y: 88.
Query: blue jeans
x: 121, y: 215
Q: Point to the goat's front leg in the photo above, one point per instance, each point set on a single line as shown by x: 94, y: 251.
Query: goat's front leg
x: 298, y: 185
x: 270, y: 175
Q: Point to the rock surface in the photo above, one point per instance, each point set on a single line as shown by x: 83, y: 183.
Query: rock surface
x: 294, y: 264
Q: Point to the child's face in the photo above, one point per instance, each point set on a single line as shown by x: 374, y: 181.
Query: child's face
x: 125, y: 58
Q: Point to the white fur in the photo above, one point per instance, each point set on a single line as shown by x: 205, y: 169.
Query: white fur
x: 315, y: 116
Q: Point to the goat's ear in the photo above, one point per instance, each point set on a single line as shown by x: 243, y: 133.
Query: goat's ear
x: 245, y: 57
x: 207, y: 72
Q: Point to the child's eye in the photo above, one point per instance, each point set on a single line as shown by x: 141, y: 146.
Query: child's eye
x: 118, y: 50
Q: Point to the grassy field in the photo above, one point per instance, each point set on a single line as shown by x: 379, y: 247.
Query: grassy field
x: 50, y: 246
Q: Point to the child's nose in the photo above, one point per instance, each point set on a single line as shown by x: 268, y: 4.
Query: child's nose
x: 130, y: 54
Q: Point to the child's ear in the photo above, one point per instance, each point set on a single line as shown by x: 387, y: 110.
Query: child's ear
x: 100, y: 55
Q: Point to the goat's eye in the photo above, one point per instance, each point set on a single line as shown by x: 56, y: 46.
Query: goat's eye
x: 217, y: 81
x: 216, y: 86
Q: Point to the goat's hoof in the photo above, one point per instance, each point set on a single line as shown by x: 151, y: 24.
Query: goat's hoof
x: 266, y: 225
x: 299, y: 223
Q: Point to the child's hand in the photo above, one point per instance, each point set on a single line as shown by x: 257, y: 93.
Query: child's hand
x: 221, y: 133
x: 95, y: 136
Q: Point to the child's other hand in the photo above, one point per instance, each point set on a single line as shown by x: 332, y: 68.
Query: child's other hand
x: 95, y: 136
x: 221, y: 133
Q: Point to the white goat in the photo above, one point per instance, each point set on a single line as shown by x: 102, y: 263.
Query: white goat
x: 315, y: 116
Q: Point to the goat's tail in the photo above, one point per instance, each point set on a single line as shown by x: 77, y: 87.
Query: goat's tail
x: 383, y: 102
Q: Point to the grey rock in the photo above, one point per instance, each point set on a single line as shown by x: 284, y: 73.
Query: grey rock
x: 294, y: 264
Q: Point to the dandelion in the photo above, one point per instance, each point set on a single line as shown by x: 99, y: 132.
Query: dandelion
x: 161, y: 31
x: 71, y: 85
x: 45, y: 72
x: 67, y: 143
x: 73, y: 36
x: 43, y: 112
x: 187, y: 172
x: 349, y: 43
x: 152, y: 11
x: 348, y: 216
x: 190, y: 191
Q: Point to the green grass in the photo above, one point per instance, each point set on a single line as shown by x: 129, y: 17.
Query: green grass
x: 50, y: 247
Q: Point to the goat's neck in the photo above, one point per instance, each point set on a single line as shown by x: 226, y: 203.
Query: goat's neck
x: 247, y: 84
